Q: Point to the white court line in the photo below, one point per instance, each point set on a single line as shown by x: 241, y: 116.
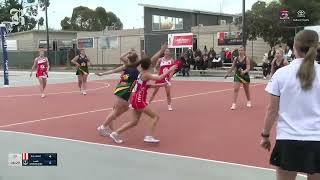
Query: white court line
x: 98, y: 110
x: 146, y: 151
x: 66, y: 92
x: 35, y: 80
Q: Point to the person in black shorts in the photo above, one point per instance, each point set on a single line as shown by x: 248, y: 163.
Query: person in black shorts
x: 82, y: 62
x: 241, y: 65
x: 123, y: 89
x: 295, y: 110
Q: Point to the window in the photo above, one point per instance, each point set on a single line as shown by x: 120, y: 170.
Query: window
x: 179, y: 23
x: 160, y: 23
x: 155, y: 23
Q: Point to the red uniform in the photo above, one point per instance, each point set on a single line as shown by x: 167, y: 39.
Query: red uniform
x: 165, y: 65
x: 139, y: 98
x: 42, y: 67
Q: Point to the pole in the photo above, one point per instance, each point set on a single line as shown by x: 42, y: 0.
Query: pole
x: 244, y: 40
x: 3, y: 32
x: 47, y: 29
x: 251, y: 49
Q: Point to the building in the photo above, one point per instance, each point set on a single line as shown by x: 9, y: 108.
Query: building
x: 209, y: 29
x: 23, y: 46
x: 107, y: 46
x: 34, y: 39
x: 159, y: 21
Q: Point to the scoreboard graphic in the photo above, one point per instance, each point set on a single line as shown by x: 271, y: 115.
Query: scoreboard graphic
x: 32, y: 159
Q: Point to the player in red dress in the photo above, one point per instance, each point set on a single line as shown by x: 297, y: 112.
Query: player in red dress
x: 41, y: 64
x: 163, y: 64
x: 139, y: 102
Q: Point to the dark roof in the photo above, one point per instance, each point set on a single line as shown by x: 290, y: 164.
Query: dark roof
x: 37, y: 31
x: 187, y: 10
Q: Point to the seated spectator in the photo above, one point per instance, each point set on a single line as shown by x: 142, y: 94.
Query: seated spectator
x: 228, y: 56
x: 266, y: 66
x: 186, y: 65
x: 222, y: 54
x: 205, y: 62
x: 217, y: 62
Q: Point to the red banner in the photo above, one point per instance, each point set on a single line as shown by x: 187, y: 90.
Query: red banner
x: 183, y: 40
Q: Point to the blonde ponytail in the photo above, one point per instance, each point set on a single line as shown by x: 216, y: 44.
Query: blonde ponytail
x: 306, y: 72
x: 306, y: 43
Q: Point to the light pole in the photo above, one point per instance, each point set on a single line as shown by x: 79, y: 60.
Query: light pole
x: 47, y: 28
x: 244, y: 40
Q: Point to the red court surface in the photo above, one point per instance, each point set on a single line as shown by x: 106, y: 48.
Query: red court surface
x: 201, y: 125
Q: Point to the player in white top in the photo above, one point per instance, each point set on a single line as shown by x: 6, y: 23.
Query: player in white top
x: 295, y: 105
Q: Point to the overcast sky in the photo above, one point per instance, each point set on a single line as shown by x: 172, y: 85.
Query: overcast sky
x: 131, y: 14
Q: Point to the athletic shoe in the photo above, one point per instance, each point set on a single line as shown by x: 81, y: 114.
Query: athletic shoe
x: 233, y: 106
x: 103, y: 131
x: 249, y: 105
x: 116, y: 138
x: 170, y: 108
x: 150, y: 139
x: 43, y: 95
x: 84, y: 92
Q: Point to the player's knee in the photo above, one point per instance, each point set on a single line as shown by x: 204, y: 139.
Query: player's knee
x: 236, y: 90
x: 156, y: 117
x: 134, y: 123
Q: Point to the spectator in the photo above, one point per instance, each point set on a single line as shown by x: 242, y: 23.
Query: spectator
x: 216, y: 62
x: 197, y: 59
x: 266, y: 66
x: 212, y: 55
x: 186, y: 65
x: 271, y: 54
x: 228, y: 56
x: 278, y: 61
x: 205, y: 62
x: 222, y: 54
x: 212, y: 52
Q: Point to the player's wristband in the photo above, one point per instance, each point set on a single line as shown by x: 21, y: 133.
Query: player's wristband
x: 265, y: 135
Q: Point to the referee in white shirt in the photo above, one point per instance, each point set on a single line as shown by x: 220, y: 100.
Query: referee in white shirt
x: 295, y: 103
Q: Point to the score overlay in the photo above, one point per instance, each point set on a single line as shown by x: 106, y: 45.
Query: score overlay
x: 32, y: 159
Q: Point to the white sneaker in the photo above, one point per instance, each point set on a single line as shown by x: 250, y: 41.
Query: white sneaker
x: 116, y: 138
x: 170, y: 108
x: 150, y: 139
x: 43, y: 95
x: 84, y: 92
x: 233, y: 106
x: 249, y: 105
x: 103, y: 131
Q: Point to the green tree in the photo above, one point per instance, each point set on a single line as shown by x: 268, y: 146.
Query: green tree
x: 66, y: 23
x: 40, y: 22
x: 31, y: 11
x: 86, y: 19
x: 263, y: 20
